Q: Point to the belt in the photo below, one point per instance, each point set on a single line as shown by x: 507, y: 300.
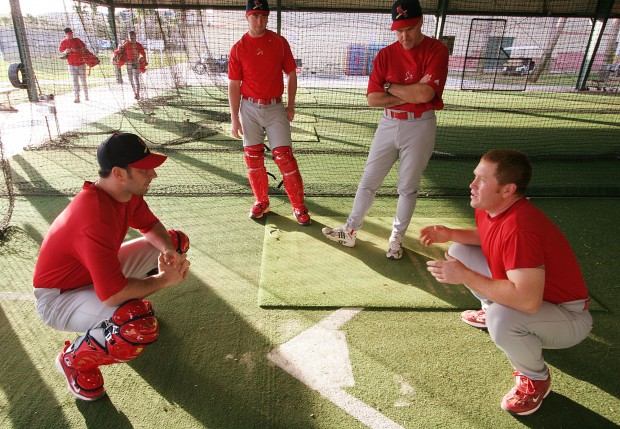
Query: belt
x: 396, y: 114
x: 263, y: 100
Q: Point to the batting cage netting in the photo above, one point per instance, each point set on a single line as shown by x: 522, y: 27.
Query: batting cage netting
x: 513, y: 83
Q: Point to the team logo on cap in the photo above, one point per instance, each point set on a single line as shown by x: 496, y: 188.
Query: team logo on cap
x: 257, y: 5
x: 401, y: 12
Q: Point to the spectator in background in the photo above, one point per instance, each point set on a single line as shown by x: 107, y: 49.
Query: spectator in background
x: 74, y: 51
x: 132, y: 54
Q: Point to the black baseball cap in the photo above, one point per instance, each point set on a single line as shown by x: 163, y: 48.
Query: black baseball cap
x: 406, y: 13
x: 68, y: 30
x: 126, y: 149
x: 257, y: 6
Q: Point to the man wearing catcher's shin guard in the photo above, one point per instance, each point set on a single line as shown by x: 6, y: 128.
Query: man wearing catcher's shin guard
x: 258, y: 60
x: 88, y: 280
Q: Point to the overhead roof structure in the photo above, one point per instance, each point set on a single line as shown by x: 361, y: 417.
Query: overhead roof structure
x: 568, y: 8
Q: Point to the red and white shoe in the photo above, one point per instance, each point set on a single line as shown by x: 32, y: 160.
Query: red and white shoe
x: 259, y: 209
x: 86, y: 385
x: 475, y: 318
x: 527, y: 395
x: 303, y: 218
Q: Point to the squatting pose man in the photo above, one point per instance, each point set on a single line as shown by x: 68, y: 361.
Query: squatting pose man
x: 255, y: 89
x: 407, y: 80
x: 522, y: 269
x: 88, y: 280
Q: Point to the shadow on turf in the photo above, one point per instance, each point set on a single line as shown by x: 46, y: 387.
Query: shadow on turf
x: 374, y: 258
x: 205, y: 361
x: 22, y: 386
x: 558, y: 411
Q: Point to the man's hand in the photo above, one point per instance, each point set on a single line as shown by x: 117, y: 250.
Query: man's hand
x: 236, y: 128
x: 173, y: 268
x: 290, y: 112
x: 450, y: 271
x: 434, y: 234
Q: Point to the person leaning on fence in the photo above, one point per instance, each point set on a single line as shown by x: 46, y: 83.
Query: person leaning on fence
x: 133, y: 55
x: 74, y: 51
x: 88, y: 280
x: 255, y: 67
x: 407, y: 81
x: 522, y: 269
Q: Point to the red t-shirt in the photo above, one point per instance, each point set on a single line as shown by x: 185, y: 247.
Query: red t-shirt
x: 524, y: 237
x: 81, y: 247
x: 76, y: 57
x: 258, y: 62
x: 406, y: 66
x: 132, y: 51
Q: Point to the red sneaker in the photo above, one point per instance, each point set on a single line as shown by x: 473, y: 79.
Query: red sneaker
x: 475, y: 318
x: 86, y: 385
x: 259, y: 209
x: 303, y: 218
x: 527, y: 395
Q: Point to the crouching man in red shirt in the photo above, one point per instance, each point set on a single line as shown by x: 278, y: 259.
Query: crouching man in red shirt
x: 87, y: 279
x: 521, y: 267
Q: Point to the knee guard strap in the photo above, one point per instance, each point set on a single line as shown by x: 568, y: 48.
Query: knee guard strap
x: 293, y: 183
x: 257, y: 173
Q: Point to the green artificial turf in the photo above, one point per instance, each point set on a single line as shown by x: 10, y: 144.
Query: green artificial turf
x: 209, y: 367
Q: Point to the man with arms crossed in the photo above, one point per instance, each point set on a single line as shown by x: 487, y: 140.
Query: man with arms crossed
x: 255, y: 88
x: 407, y: 80
x: 88, y: 280
x: 522, y: 269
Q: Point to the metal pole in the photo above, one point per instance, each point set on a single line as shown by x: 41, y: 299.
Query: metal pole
x: 24, y: 51
x: 112, y: 24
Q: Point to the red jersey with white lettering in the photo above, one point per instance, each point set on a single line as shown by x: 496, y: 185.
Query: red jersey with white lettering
x: 524, y: 237
x: 258, y: 62
x: 407, y: 66
x: 82, y: 245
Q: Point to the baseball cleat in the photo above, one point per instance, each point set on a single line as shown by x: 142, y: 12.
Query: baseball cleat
x: 259, y: 209
x: 475, y: 318
x: 527, y: 395
x: 395, y: 251
x: 341, y: 234
x: 86, y: 385
x: 303, y: 218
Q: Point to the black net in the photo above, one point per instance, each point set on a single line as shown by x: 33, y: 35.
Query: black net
x: 512, y: 84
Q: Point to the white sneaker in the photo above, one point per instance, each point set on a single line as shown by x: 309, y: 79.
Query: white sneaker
x: 341, y: 234
x: 395, y: 251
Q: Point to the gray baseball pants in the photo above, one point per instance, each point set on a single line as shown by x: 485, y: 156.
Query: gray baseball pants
x: 411, y: 141
x: 522, y: 336
x: 78, y: 310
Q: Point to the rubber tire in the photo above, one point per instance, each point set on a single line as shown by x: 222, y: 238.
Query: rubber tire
x: 15, y: 70
x: 200, y: 68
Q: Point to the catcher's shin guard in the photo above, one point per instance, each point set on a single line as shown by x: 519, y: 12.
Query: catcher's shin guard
x: 180, y: 240
x: 257, y: 173
x: 293, y: 183
x: 127, y: 333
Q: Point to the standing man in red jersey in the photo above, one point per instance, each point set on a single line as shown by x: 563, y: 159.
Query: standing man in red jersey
x: 255, y: 89
x: 407, y: 82
x: 132, y: 54
x: 75, y: 50
x: 88, y: 279
x: 522, y: 269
